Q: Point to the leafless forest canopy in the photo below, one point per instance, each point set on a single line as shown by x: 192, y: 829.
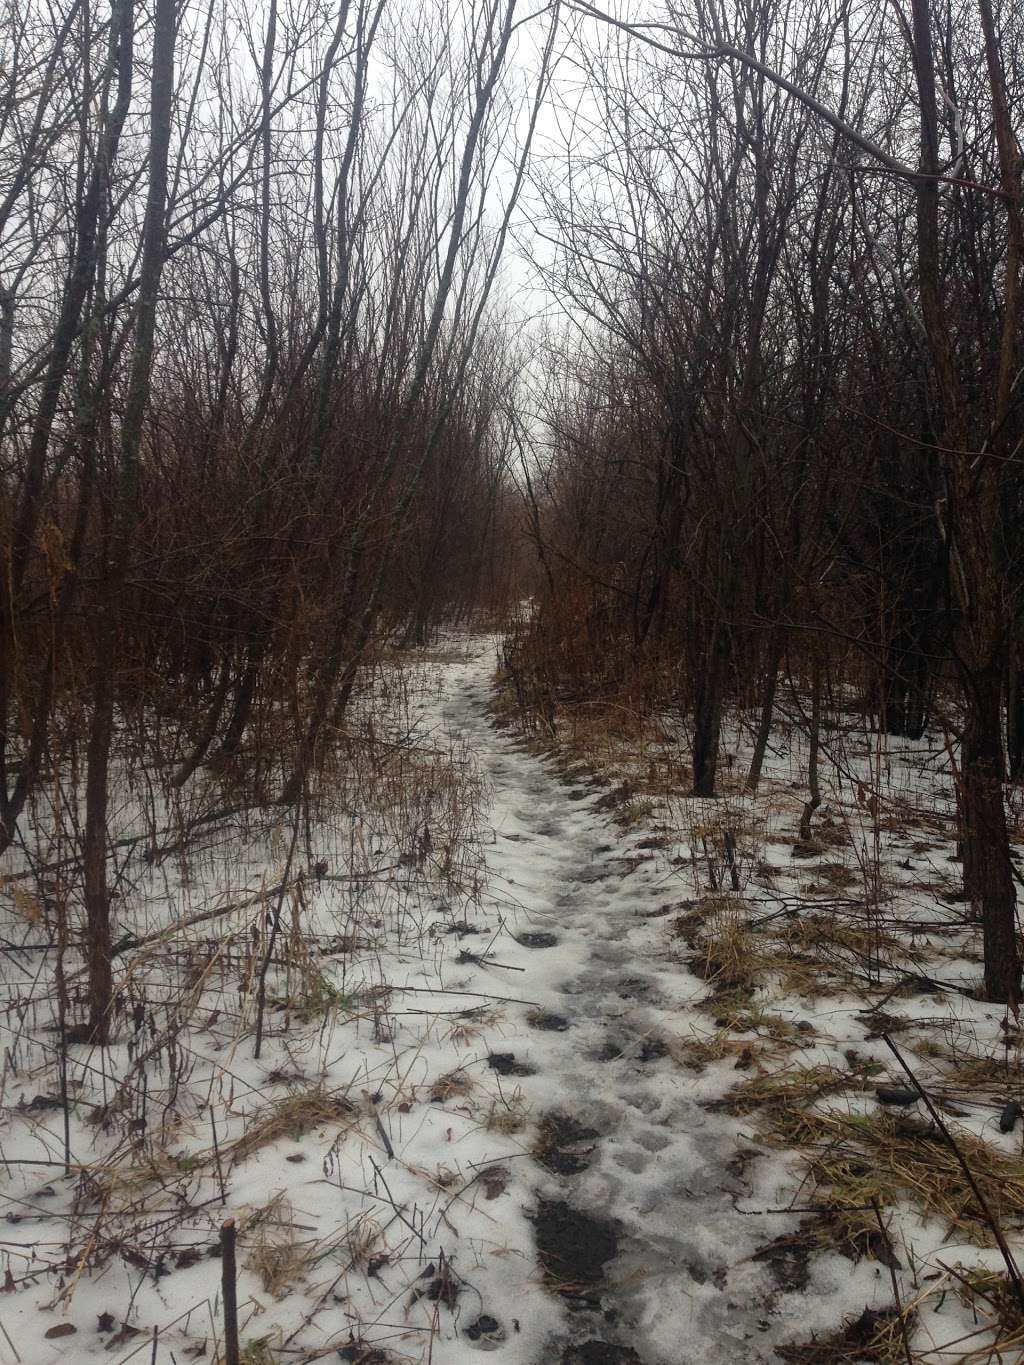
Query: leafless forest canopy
x: 270, y: 405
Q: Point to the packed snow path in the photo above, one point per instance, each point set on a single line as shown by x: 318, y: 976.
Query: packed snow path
x: 477, y: 1123
x: 638, y: 1193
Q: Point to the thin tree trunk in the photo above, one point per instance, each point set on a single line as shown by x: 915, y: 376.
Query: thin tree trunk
x: 1015, y: 714
x: 707, y: 717
x: 973, y: 519
x: 814, y: 750
x: 18, y: 536
x: 764, y: 724
x: 243, y: 703
x: 988, y: 877
x: 209, y: 731
x: 97, y: 897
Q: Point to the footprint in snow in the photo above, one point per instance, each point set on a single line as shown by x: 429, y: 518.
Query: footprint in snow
x: 613, y: 953
x: 591, y: 874
x: 636, y: 988
x: 634, y: 1162
x: 653, y: 1141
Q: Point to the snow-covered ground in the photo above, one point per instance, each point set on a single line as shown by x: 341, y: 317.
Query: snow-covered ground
x: 519, y: 1092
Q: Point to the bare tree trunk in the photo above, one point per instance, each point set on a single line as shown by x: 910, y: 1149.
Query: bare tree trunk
x: 209, y: 731
x: 764, y: 724
x: 814, y: 751
x: 97, y: 896
x: 352, y: 630
x: 707, y: 714
x: 972, y: 526
x: 19, y: 535
x: 245, y: 695
x: 1015, y: 713
x: 988, y: 876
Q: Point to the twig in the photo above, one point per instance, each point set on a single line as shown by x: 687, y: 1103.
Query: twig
x: 895, y: 1283
x: 10, y: 1343
x: 216, y: 1157
x: 1012, y: 1270
x: 229, y: 1291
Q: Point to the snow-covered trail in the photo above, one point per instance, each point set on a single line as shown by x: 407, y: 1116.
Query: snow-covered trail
x: 641, y: 1174
x: 492, y: 1112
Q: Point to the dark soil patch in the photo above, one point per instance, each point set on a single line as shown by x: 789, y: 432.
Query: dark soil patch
x: 540, y: 939
x: 437, y: 1287
x: 359, y: 1353
x: 574, y: 1247
x: 869, y: 1337
x: 562, y: 1144
x: 653, y: 1049
x: 505, y: 1064
x: 485, y: 1326
x: 877, y: 1022
x: 635, y: 988
x: 461, y: 928
x: 788, y: 1258
x: 600, y: 1353
x: 716, y: 973
x: 550, y: 1023
x: 609, y: 1052
x: 625, y: 867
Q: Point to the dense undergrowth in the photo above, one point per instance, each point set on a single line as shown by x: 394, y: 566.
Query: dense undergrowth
x: 278, y: 999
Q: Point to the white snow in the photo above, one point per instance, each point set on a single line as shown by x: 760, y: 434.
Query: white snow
x: 400, y: 1215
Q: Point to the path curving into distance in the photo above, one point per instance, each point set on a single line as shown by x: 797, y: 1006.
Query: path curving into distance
x: 634, y: 1187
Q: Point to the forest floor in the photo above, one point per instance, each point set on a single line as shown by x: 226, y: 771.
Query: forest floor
x: 554, y: 1064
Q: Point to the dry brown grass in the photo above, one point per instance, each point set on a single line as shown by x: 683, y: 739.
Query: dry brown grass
x: 701, y: 1050
x: 275, y: 1254
x: 732, y: 957
x: 451, y: 1086
x: 835, y: 876
x: 782, y: 1096
x: 875, y: 1336
x: 508, y: 1114
x: 777, y: 1040
x: 858, y: 1160
x: 994, y: 1304
x: 293, y: 1117
x: 846, y: 940
x: 984, y: 1073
